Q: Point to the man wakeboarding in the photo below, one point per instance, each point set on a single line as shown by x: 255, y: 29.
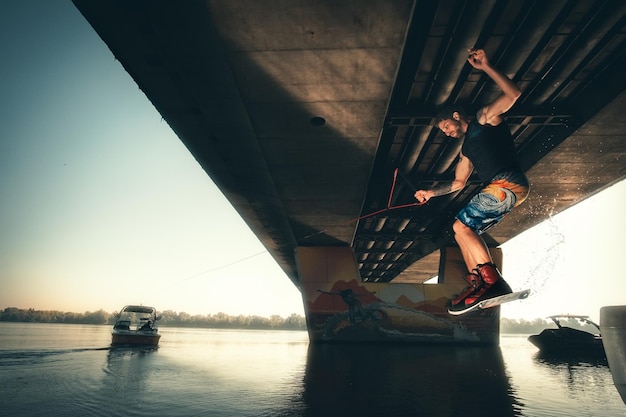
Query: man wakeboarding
x: 489, y: 149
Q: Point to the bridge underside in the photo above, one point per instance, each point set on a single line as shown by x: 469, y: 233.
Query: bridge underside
x: 300, y: 112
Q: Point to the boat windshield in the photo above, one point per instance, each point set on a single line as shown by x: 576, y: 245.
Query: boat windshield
x: 137, y: 318
x: 576, y: 322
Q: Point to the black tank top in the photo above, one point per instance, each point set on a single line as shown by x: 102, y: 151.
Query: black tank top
x: 491, y: 149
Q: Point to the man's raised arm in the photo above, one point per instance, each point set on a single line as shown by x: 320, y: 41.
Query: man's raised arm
x: 491, y: 113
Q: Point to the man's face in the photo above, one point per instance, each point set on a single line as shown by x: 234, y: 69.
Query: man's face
x: 451, y: 128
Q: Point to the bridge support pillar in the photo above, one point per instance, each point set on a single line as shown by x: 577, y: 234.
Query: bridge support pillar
x: 340, y: 307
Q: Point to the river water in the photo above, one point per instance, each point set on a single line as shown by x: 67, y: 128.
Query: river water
x: 70, y: 370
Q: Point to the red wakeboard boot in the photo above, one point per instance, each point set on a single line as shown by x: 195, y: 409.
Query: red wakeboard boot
x: 474, y: 281
x: 490, y: 285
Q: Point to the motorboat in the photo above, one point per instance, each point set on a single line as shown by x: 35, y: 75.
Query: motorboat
x: 565, y: 340
x: 136, y: 325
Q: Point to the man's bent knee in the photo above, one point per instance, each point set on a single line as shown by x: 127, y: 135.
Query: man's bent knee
x: 460, y: 228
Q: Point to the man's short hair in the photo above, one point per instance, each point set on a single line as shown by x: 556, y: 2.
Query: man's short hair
x: 448, y: 112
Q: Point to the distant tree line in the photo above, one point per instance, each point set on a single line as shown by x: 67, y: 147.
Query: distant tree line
x: 225, y: 321
x: 51, y: 316
x: 168, y: 318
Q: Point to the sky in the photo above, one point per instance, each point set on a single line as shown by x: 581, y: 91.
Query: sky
x: 102, y: 205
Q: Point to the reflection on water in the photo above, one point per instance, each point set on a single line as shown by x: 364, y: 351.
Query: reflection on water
x: 571, y: 360
x: 200, y: 372
x: 126, y: 372
x: 381, y: 380
x: 573, y: 373
x: 550, y: 386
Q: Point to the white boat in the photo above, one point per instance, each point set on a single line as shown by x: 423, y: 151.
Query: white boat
x: 136, y: 325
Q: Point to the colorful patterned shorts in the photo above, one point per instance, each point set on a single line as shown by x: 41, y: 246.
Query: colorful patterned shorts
x: 488, y: 207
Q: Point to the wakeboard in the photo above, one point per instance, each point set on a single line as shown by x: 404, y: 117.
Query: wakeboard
x: 492, y: 302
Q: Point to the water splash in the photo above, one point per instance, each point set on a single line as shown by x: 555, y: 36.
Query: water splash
x: 543, y: 257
